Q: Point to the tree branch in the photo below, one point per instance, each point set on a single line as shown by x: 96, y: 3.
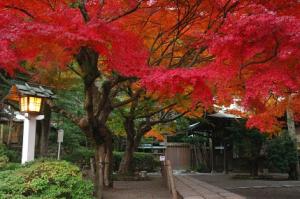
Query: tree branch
x: 75, y: 71
x: 274, y: 54
x: 21, y: 10
x: 72, y: 117
x: 157, y: 111
x: 127, y: 12
x: 163, y: 121
x: 6, y: 81
x: 83, y: 10
x: 134, y: 97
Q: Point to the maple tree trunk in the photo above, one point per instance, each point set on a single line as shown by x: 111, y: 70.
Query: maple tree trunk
x: 125, y: 166
x: 97, y: 111
x: 108, y: 168
x: 103, y: 166
x: 127, y: 159
x: 133, y: 141
x: 99, y: 176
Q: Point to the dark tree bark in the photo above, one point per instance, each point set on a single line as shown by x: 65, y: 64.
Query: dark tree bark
x: 125, y: 167
x: 108, y: 169
x: 99, y: 159
x: 88, y: 61
x: 45, y: 131
x: 103, y: 163
x: 134, y: 137
x: 136, y: 130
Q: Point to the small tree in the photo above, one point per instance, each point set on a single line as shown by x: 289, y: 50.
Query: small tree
x: 282, y: 154
x: 248, y: 143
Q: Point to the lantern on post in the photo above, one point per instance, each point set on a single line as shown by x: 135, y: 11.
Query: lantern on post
x: 30, y: 99
x: 30, y: 104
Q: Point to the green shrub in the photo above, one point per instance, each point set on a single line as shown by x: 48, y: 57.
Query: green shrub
x: 10, y: 166
x: 12, y: 155
x: 81, y: 156
x: 282, y: 152
x: 202, y: 168
x: 3, y: 161
x: 45, y: 179
x: 141, y: 161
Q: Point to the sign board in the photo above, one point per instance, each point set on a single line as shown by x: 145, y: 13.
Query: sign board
x: 219, y: 147
x: 60, y: 135
x: 162, y: 158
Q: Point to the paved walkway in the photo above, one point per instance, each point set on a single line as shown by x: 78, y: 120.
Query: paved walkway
x: 254, y: 189
x: 153, y: 189
x: 190, y: 188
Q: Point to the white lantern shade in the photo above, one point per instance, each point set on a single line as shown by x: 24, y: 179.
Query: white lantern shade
x: 30, y: 104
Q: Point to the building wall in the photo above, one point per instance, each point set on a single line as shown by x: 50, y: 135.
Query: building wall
x: 11, y: 134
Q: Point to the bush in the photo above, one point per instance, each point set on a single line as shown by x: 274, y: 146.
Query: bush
x: 3, y: 161
x: 81, y: 156
x: 282, y: 152
x: 45, y: 179
x: 141, y: 161
x: 10, y: 166
x: 12, y: 155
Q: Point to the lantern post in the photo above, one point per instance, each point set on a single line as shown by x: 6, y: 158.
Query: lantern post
x: 30, y: 99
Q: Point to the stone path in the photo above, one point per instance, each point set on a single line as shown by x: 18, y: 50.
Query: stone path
x: 254, y: 189
x: 190, y: 188
x: 153, y: 189
x: 227, y: 182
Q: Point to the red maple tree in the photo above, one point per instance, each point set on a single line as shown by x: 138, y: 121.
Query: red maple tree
x: 256, y: 59
x: 214, y: 51
x: 47, y: 33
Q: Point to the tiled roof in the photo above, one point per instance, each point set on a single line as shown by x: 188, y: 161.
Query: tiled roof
x: 21, y: 89
x: 26, y: 89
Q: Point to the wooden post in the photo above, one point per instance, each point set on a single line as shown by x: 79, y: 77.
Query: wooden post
x: 163, y: 173
x: 171, y: 180
x: 225, y: 158
x: 92, y: 165
x: 211, y: 148
x: 168, y: 176
x: 1, y: 134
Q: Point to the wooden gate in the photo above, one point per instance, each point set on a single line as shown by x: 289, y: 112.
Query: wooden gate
x: 180, y: 155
